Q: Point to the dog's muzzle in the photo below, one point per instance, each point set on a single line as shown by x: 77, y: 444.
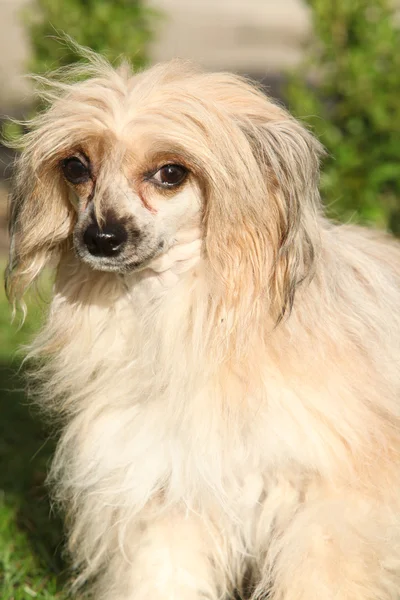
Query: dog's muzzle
x: 115, y: 244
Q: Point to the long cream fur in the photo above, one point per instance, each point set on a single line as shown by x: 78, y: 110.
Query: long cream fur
x: 231, y: 412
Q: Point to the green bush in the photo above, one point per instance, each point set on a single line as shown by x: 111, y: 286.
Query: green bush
x: 348, y: 90
x: 115, y: 28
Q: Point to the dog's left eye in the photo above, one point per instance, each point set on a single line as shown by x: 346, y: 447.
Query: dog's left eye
x: 170, y: 175
x: 75, y: 171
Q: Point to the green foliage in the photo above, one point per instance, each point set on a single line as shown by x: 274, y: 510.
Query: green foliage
x: 114, y: 28
x: 353, y: 106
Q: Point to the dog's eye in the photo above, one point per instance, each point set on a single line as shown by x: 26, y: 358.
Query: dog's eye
x: 170, y: 175
x: 75, y: 171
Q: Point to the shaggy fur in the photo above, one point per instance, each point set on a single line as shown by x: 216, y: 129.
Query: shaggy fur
x: 229, y: 385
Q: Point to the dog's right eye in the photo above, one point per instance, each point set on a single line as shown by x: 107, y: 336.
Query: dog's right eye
x: 75, y: 171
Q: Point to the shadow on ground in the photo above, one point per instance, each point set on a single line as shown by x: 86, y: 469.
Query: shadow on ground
x: 25, y: 452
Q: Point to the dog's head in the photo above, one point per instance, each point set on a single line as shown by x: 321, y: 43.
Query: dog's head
x: 119, y: 165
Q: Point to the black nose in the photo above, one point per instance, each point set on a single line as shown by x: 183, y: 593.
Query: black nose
x: 105, y: 241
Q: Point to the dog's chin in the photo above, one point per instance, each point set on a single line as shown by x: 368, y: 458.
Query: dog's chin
x: 119, y: 265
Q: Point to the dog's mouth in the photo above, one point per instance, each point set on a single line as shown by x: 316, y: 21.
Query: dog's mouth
x: 116, y: 266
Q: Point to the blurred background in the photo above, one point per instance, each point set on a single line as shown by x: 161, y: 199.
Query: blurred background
x: 334, y: 63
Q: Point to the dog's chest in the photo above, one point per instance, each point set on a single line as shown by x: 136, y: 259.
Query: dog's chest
x: 173, y: 422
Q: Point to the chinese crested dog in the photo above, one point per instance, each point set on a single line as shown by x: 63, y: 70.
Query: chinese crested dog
x: 225, y: 361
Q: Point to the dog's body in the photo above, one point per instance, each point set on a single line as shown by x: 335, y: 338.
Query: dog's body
x: 230, y: 378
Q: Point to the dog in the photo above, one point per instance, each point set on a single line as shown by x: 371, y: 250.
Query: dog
x: 224, y: 360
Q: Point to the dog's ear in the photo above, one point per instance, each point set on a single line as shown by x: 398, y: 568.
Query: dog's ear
x: 40, y: 218
x: 266, y: 233
x: 288, y: 158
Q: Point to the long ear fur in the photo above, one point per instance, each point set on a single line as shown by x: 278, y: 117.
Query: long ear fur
x: 265, y: 241
x: 40, y: 219
x: 288, y: 156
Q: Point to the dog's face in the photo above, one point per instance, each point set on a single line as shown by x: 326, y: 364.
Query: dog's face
x: 130, y: 201
x: 120, y: 165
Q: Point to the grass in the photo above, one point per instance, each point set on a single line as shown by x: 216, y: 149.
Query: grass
x: 31, y: 536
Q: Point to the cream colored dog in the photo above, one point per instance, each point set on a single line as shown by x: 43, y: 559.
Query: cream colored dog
x: 226, y: 361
